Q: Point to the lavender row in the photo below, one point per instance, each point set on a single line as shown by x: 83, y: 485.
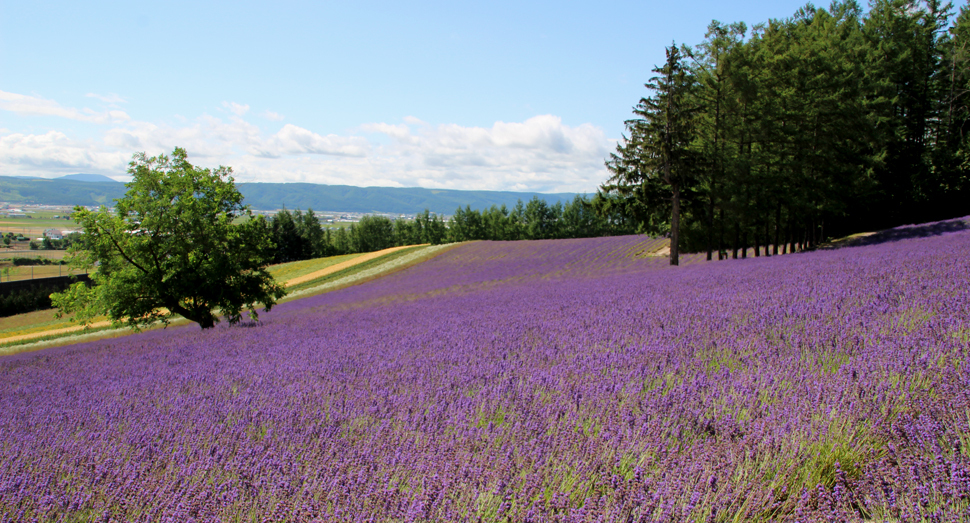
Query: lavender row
x: 529, y: 381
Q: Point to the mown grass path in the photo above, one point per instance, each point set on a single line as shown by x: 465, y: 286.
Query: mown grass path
x: 343, y: 265
x: 54, y: 332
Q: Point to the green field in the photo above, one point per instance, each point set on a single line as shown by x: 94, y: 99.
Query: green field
x: 38, y: 221
x: 6, y: 255
x: 9, y: 272
x: 33, y: 229
x: 336, y: 225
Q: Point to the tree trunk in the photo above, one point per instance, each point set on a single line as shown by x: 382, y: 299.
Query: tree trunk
x: 721, y: 253
x: 675, y: 227
x: 813, y: 240
x: 768, y: 237
x: 207, y: 321
x: 737, y: 240
x: 791, y: 235
x: 204, y: 318
x: 785, y: 236
x: 774, y: 248
x: 757, y: 243
x: 710, y: 227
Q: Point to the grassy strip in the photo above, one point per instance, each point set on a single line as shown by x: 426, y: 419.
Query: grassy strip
x: 350, y: 271
x: 15, y: 347
x: 79, y: 336
x: 34, y: 272
x: 846, y: 241
x: 31, y: 322
x: 391, y: 265
x: 293, y: 270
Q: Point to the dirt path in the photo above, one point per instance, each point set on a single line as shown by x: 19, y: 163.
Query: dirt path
x: 308, y: 277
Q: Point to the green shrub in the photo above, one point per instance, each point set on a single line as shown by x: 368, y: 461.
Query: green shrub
x: 37, y: 261
x: 27, y: 300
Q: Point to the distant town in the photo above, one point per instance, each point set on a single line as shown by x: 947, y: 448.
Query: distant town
x: 63, y: 212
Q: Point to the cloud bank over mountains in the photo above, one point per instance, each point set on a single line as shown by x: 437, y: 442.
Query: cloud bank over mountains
x: 540, y: 154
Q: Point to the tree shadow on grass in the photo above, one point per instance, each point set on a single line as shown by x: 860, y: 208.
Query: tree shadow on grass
x: 905, y: 232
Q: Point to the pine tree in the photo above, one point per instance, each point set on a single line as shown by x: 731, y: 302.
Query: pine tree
x: 715, y: 97
x: 656, y: 158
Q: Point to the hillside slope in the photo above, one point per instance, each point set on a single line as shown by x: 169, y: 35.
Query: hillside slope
x: 528, y: 381
x: 269, y: 196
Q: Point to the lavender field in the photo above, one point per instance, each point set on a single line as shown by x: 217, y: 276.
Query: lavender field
x: 547, y: 381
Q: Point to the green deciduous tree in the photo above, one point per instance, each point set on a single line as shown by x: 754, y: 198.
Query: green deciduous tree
x: 374, y: 233
x: 179, y: 242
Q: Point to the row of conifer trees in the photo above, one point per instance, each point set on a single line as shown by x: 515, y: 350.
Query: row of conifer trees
x: 829, y: 122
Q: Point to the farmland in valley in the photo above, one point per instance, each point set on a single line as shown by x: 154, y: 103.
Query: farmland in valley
x: 566, y: 380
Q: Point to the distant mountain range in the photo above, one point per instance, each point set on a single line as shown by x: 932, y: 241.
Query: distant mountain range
x: 94, y: 189
x: 87, y: 178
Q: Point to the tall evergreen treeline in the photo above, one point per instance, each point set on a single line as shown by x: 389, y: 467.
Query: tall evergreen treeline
x: 823, y: 124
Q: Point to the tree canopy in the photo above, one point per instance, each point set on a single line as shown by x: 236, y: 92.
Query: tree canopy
x: 825, y: 123
x: 180, y: 242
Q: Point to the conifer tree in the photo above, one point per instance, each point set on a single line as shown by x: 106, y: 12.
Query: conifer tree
x: 715, y: 97
x: 656, y: 158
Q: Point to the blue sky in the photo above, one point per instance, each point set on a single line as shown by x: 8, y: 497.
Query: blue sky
x: 523, y: 96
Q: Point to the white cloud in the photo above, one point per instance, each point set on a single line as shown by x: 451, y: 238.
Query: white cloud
x: 539, y: 154
x: 236, y: 109
x: 207, y: 136
x: 110, y: 98
x: 34, y: 106
x: 276, y: 117
x: 401, y: 132
x: 292, y: 140
x: 54, y: 152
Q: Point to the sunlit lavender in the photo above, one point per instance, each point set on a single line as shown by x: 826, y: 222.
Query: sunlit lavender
x: 547, y: 381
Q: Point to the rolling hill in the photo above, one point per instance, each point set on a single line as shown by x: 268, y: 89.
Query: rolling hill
x: 77, y: 190
x: 87, y: 178
x: 552, y: 380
